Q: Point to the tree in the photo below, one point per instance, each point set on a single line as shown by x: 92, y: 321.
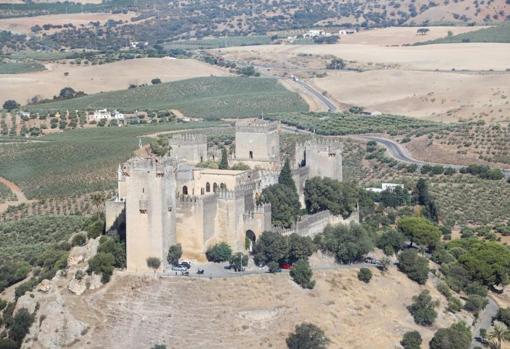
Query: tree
x: 457, y: 336
x: 79, y: 240
x: 423, y: 309
x: 329, y: 194
x: 422, y: 192
x: 224, y: 159
x: 414, y: 266
x: 336, y: 64
x: 102, y: 263
x: 154, y: 263
x: 174, y: 254
x: 365, y: 275
x: 395, y: 197
x: 498, y: 334
x: 20, y: 325
x: 300, y: 247
x: 302, y: 274
x: 419, y: 230
x: 67, y: 92
x: 391, y: 241
x: 285, y: 176
x: 504, y: 316
x: 307, y: 336
x: 284, y: 202
x: 411, y: 340
x: 10, y: 105
x: 271, y: 247
x: 156, y: 81
x: 219, y: 253
x: 349, y: 244
x: 475, y: 303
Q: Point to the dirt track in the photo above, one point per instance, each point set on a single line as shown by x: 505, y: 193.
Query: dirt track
x: 21, y: 198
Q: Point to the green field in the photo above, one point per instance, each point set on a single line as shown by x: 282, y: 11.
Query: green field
x: 348, y: 123
x: 227, y: 41
x: 210, y: 97
x: 43, y: 55
x: 76, y: 161
x: 20, y: 67
x: 499, y: 33
x: 6, y: 194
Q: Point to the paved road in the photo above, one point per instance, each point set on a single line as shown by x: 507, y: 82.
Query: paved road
x: 324, y: 100
x: 484, y: 320
x: 398, y: 152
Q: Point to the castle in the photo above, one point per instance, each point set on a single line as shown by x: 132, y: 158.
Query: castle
x: 169, y: 200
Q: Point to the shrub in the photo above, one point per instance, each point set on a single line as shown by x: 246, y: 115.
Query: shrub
x: 174, y: 254
x: 20, y: 325
x: 307, y: 336
x: 219, y: 253
x: 273, y: 267
x: 423, y: 309
x: 365, y: 275
x: 457, y: 336
x: 414, y: 266
x: 411, y: 340
x: 79, y: 240
x: 503, y: 315
x: 454, y: 304
x: 475, y: 303
x: 302, y: 274
x: 238, y: 260
x: 153, y: 263
x: 102, y: 263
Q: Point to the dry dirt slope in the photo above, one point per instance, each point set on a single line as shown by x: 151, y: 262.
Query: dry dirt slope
x: 248, y: 312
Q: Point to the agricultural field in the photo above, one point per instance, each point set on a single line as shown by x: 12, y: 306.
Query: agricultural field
x: 9, y: 67
x: 28, y: 238
x: 77, y: 161
x: 499, y: 33
x: 464, y: 145
x: 6, y: 194
x: 220, y: 42
x: 212, y: 97
x: 97, y: 78
x: 348, y: 123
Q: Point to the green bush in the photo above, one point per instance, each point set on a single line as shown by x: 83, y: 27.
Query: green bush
x: 503, y: 316
x: 475, y: 303
x: 411, y: 340
x: 307, y: 336
x: 454, y: 304
x: 457, y: 336
x: 365, y: 275
x: 302, y: 274
x: 79, y: 240
x: 220, y: 252
x: 414, y: 266
x: 174, y: 254
x: 422, y: 309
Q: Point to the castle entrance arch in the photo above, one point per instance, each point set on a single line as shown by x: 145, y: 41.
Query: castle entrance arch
x: 249, y: 241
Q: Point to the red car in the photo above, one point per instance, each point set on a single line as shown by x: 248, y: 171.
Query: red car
x: 286, y: 266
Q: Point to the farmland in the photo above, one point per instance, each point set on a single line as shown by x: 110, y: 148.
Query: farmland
x: 94, y: 78
x: 220, y: 42
x: 349, y: 123
x: 19, y: 67
x: 212, y: 97
x: 74, y: 162
x: 6, y: 194
x: 499, y: 33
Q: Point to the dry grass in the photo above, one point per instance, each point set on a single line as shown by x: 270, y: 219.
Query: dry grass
x: 98, y: 78
x: 250, y: 312
x: 23, y: 24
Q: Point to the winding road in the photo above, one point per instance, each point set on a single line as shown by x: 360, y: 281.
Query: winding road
x: 322, y: 99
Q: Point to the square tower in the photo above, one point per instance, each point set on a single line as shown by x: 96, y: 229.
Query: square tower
x: 150, y: 210
x: 257, y: 140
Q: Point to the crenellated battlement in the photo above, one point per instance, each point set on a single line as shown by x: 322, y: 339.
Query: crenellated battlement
x: 158, y: 166
x: 188, y: 139
x: 256, y: 126
x: 321, y: 144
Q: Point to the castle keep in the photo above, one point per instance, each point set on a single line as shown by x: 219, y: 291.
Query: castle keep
x: 164, y: 201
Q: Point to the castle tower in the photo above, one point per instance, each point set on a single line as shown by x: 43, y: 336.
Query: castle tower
x: 189, y: 147
x: 257, y: 141
x: 150, y: 210
x: 322, y: 156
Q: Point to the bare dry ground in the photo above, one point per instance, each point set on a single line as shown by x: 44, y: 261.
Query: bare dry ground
x: 401, y: 35
x: 97, y: 78
x: 445, y: 82
x: 439, y: 96
x: 50, y: 1
x: 23, y: 24
x: 257, y: 311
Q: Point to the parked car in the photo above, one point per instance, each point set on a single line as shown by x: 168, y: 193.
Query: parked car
x: 286, y: 266
x: 179, y: 268
x: 185, y: 264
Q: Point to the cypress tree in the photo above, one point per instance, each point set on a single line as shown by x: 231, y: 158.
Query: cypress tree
x: 224, y: 160
x: 285, y: 177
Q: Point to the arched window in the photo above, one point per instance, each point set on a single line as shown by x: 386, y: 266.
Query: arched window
x: 223, y: 186
x: 184, y: 190
x: 208, y: 187
x: 215, y: 187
